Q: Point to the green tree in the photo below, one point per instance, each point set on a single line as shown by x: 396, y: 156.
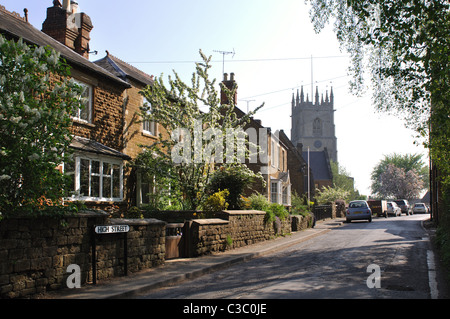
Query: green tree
x: 331, y: 194
x: 403, y: 46
x: 400, y: 176
x: 196, y: 137
x: 343, y: 180
x: 36, y: 101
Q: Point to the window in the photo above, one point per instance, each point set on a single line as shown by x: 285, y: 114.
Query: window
x: 272, y: 155
x: 317, y: 127
x: 148, y: 127
x: 145, y: 188
x: 152, y: 192
x: 287, y: 195
x: 275, y: 154
x: 84, y: 112
x: 95, y: 178
x: 274, y: 192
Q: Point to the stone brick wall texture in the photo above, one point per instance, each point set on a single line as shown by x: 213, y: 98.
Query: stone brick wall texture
x: 35, y: 252
x: 235, y: 229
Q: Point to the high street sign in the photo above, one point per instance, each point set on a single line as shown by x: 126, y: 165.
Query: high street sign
x: 112, y: 229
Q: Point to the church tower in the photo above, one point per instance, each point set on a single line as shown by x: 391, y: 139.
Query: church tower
x: 313, y: 123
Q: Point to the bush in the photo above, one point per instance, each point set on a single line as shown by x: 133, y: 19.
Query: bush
x: 258, y: 202
x: 134, y: 212
x: 235, y: 178
x: 299, y: 205
x: 216, y: 202
x: 278, y: 210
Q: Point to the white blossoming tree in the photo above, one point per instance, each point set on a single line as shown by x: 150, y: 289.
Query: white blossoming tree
x: 198, y: 125
x: 35, y: 104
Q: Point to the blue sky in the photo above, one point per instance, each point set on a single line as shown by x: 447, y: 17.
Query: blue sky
x: 273, y: 41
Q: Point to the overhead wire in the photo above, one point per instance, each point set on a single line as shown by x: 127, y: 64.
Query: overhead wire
x: 242, y: 60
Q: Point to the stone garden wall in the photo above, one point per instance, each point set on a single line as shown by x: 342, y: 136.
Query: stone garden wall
x: 36, y: 252
x: 236, y: 229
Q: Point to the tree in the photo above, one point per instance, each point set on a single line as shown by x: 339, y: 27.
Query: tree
x: 395, y: 183
x: 404, y: 45
x: 343, y: 180
x: 329, y: 194
x: 197, y: 138
x: 400, y: 176
x: 35, y: 105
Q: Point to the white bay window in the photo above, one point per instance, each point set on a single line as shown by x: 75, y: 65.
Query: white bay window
x: 96, y: 178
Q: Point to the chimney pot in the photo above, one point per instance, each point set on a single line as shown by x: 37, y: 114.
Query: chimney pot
x: 66, y: 5
x: 69, y: 27
x: 225, y: 76
x: 232, y: 77
x: 74, y: 6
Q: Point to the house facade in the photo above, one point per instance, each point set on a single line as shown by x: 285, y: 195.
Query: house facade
x: 107, y: 129
x: 136, y: 131
x: 272, y: 162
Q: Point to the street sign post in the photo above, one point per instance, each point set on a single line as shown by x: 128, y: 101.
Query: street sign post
x: 104, y: 230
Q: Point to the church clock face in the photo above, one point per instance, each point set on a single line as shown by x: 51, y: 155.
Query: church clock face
x: 318, y: 144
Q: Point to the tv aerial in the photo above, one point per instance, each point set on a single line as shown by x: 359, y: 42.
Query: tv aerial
x: 223, y: 57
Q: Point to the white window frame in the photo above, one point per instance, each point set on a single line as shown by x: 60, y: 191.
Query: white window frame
x: 77, y: 115
x: 274, y: 193
x: 101, y: 174
x: 286, y: 195
x: 149, y: 127
x: 141, y: 193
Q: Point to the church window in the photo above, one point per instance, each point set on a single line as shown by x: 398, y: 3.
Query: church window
x: 317, y: 127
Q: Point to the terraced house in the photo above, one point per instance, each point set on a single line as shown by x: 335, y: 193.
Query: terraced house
x: 107, y: 130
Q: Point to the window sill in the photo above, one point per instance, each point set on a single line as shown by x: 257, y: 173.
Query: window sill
x: 148, y: 134
x: 83, y: 122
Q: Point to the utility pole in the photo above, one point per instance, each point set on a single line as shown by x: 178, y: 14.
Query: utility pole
x: 312, y: 82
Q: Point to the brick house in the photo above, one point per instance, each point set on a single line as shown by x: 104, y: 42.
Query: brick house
x: 98, y: 128
x: 298, y: 167
x: 275, y: 166
x: 136, y: 132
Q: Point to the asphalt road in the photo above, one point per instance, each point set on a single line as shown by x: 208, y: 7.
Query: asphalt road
x: 386, y: 258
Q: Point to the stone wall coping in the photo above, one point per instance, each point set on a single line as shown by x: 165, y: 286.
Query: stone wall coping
x: 244, y: 212
x: 211, y: 221
x: 136, y: 221
x: 82, y: 213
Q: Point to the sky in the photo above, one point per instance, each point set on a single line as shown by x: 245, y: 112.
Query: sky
x: 271, y: 47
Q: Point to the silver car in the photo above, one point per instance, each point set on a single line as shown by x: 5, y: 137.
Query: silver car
x: 393, y: 209
x: 419, y: 208
x: 358, y: 210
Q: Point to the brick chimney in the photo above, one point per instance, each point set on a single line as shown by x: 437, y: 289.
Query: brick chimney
x: 231, y: 85
x: 66, y: 25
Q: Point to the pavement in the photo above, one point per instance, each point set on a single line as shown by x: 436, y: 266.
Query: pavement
x: 176, y: 271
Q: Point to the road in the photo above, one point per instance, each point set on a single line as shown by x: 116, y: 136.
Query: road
x: 333, y: 265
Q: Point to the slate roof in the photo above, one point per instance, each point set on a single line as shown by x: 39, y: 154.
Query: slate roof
x: 16, y: 27
x: 87, y: 145
x: 319, y: 163
x: 123, y: 70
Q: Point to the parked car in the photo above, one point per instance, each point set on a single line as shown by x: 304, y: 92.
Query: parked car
x: 419, y: 208
x: 358, y: 210
x: 393, y: 209
x: 404, y: 205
